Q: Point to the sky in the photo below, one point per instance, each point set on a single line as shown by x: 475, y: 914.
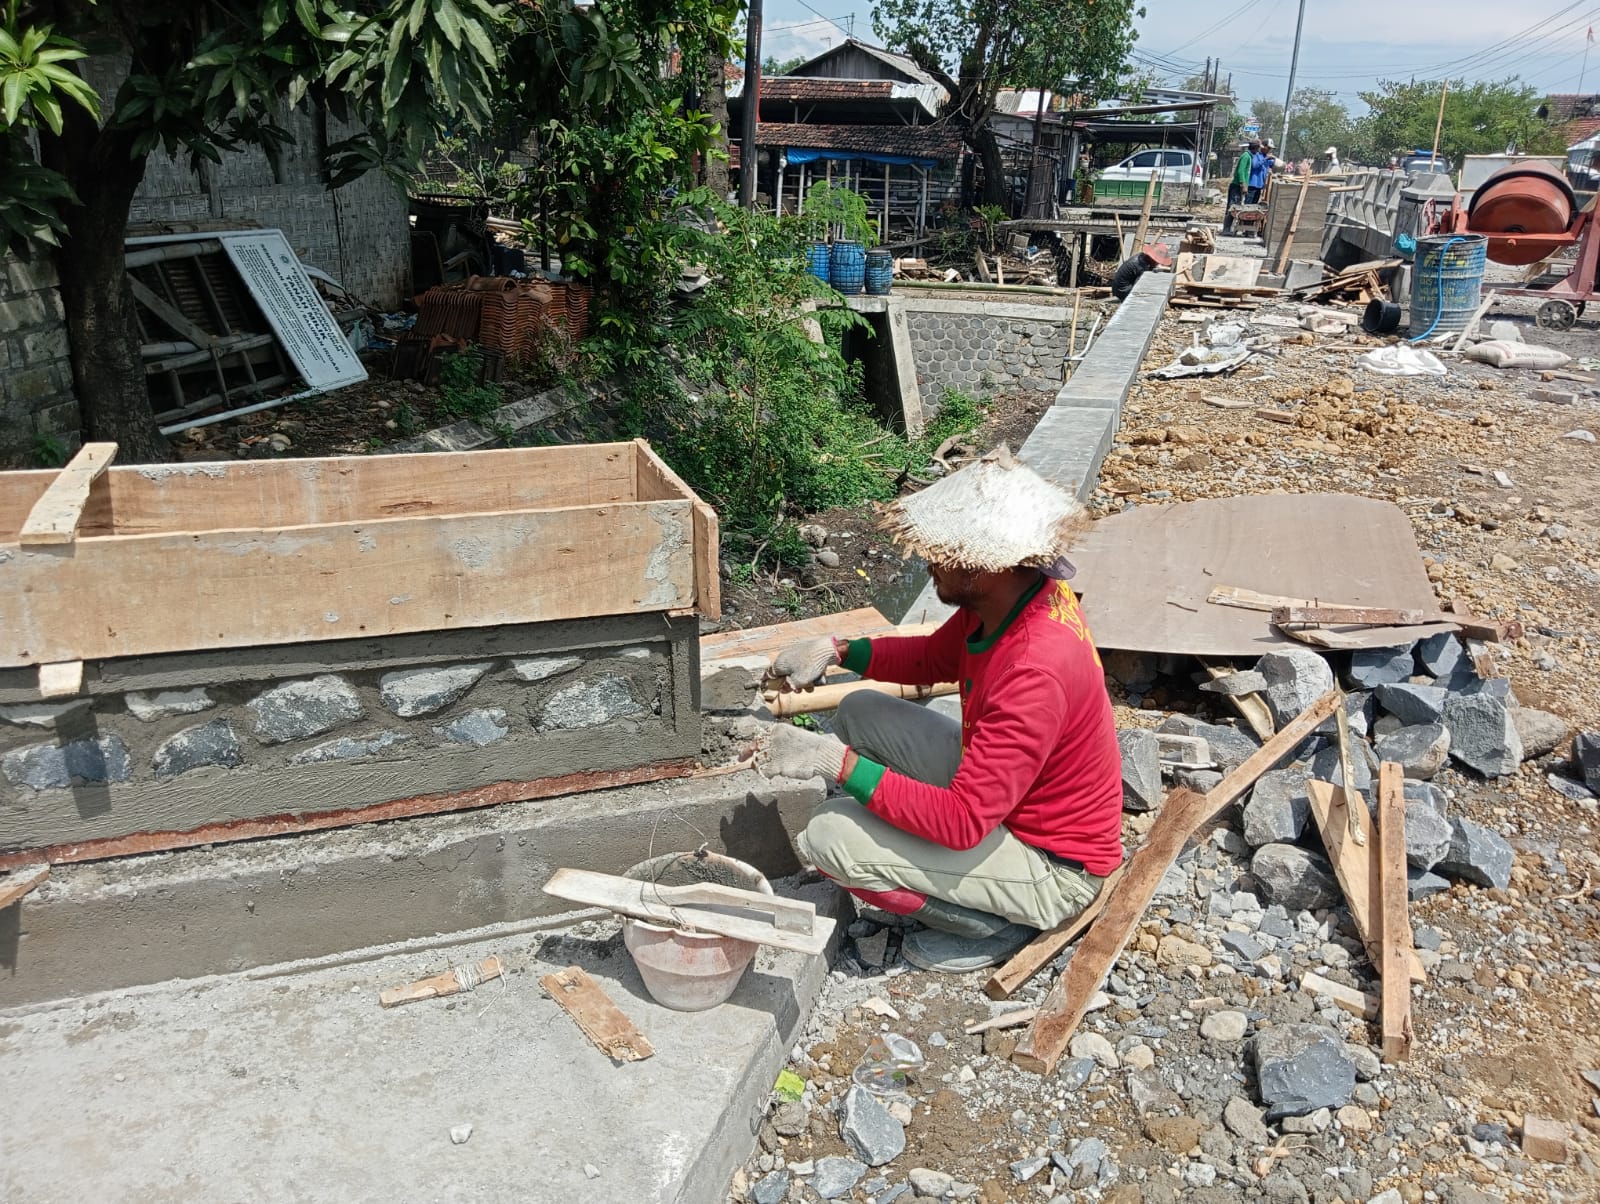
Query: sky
x: 1542, y: 41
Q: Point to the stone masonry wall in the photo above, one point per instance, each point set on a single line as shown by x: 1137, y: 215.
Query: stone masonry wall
x: 36, y: 397
x: 185, y: 740
x: 979, y: 348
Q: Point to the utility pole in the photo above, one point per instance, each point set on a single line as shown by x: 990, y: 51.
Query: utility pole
x: 751, y: 117
x: 1294, y: 62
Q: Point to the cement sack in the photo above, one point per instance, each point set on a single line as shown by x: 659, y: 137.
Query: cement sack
x: 1501, y: 354
x: 1401, y: 360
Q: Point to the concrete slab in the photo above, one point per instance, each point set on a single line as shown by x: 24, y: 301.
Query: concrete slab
x: 293, y: 1085
x: 137, y: 920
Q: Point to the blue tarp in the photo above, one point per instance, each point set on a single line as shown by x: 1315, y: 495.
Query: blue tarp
x: 806, y: 154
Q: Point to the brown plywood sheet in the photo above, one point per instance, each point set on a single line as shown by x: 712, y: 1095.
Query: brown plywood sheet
x: 1145, y: 574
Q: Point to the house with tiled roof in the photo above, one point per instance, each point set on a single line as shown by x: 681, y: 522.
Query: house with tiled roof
x: 863, y: 116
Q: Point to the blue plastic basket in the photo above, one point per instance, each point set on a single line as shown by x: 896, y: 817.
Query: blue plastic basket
x: 818, y: 259
x: 849, y: 267
x: 880, y: 273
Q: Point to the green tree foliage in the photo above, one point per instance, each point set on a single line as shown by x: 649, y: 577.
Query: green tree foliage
x: 1479, y: 119
x: 1316, y: 122
x: 976, y: 47
x: 1270, y: 114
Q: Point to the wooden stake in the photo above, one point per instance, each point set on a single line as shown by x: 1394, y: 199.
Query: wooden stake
x: 1040, y: 951
x: 439, y: 986
x: 1394, y: 934
x: 1180, y: 816
x: 600, y: 1019
x: 54, y: 517
x: 1355, y: 865
x: 1144, y: 213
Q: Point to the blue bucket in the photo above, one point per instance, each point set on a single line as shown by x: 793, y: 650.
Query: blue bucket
x: 817, y: 260
x: 880, y: 273
x: 1446, y: 282
x: 849, y: 267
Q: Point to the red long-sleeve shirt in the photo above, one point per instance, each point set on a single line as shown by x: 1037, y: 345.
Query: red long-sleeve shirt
x: 1038, y: 741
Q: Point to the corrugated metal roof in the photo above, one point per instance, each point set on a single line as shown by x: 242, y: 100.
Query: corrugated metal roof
x: 921, y: 141
x: 801, y: 89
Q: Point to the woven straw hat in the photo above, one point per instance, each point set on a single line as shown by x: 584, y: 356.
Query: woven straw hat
x: 994, y: 514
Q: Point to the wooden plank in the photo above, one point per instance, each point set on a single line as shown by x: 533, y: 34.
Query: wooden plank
x: 15, y: 886
x: 1042, y: 950
x: 1472, y: 322
x: 1144, y: 215
x: 1357, y: 1003
x: 170, y: 314
x: 1294, y: 228
x: 63, y: 679
x: 601, y: 1020
x: 1394, y: 929
x: 654, y: 480
x: 1180, y: 817
x: 167, y: 498
x: 134, y: 595
x: 440, y: 986
x: 1354, y: 864
x: 1368, y: 616
x: 54, y: 517
x: 1249, y: 599
x: 629, y: 897
x: 1014, y: 1019
x: 745, y: 643
x: 791, y: 915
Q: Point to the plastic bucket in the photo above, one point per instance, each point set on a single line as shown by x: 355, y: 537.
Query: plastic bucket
x: 880, y: 273
x: 690, y: 971
x: 818, y: 257
x: 1380, y: 316
x: 848, y: 267
x: 1446, y: 282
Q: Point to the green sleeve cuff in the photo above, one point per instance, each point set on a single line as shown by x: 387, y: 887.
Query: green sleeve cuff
x: 858, y: 656
x: 864, y: 778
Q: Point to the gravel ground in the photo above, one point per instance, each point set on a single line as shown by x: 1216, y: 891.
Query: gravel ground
x: 1162, y: 1096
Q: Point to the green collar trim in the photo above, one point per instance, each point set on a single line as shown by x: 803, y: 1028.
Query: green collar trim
x: 976, y: 645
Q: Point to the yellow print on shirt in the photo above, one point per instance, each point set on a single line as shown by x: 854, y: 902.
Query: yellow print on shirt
x: 1064, y: 609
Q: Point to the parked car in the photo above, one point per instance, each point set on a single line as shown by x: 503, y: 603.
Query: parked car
x: 1173, y: 166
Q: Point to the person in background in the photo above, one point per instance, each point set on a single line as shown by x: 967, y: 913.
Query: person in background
x: 1240, y: 181
x: 1262, y: 162
x: 1333, y: 160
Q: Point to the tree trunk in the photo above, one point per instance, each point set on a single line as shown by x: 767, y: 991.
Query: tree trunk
x: 982, y: 139
x: 715, y: 100
x: 107, y: 370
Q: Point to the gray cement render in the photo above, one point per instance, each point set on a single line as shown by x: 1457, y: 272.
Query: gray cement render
x: 133, y: 921
x: 1072, y: 439
x: 251, y: 733
x: 292, y: 1084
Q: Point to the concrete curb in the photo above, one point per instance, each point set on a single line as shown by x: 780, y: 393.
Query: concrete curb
x: 1073, y: 438
x: 105, y: 925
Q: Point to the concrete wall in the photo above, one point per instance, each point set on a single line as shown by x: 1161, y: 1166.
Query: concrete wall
x: 36, y: 398
x: 984, y: 347
x: 185, y: 740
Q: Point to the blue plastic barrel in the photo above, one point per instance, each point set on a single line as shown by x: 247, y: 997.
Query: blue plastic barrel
x: 1446, y: 282
x: 880, y: 273
x: 849, y: 267
x: 818, y: 257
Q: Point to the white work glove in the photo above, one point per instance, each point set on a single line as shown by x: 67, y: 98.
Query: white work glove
x: 800, y: 666
x: 792, y: 752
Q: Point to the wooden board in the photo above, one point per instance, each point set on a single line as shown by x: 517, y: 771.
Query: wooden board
x: 1394, y: 928
x: 647, y: 901
x: 1355, y: 865
x: 601, y: 1020
x: 55, y: 516
x: 1042, y: 950
x: 1180, y: 817
x: 168, y: 498
x: 767, y: 641
x: 654, y: 481
x: 1146, y: 573
x: 15, y: 886
x: 133, y: 595
x: 1251, y: 707
x: 1357, y: 1003
x: 440, y: 986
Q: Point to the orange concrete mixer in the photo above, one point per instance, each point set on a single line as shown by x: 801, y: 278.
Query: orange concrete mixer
x: 1529, y: 213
